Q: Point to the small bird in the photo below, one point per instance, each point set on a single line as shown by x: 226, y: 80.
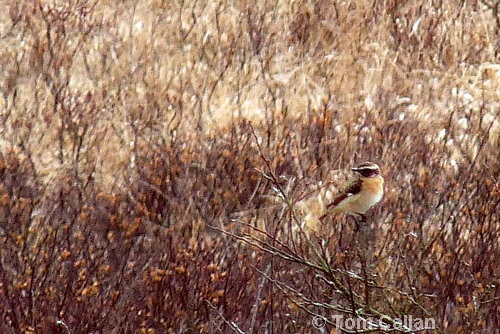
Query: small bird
x: 360, y: 194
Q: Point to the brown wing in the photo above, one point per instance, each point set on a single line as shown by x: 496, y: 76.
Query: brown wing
x: 351, y: 189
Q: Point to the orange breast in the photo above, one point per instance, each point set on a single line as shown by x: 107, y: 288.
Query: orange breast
x: 371, y: 193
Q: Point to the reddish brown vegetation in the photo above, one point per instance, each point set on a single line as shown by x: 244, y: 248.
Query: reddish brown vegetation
x: 131, y: 133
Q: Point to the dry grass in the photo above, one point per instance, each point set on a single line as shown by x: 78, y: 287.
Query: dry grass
x: 131, y: 131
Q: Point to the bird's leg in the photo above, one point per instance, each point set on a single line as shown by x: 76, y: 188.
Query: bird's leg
x: 358, y: 220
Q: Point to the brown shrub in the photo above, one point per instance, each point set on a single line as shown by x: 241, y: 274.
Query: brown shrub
x: 153, y: 153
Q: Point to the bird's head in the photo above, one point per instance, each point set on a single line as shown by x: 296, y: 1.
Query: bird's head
x: 367, y: 169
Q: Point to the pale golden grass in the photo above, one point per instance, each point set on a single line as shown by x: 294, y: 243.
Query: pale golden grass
x: 153, y: 67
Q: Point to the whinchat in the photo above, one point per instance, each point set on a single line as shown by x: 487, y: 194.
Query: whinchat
x: 360, y: 194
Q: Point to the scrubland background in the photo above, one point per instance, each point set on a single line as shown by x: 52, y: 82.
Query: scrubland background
x: 131, y: 131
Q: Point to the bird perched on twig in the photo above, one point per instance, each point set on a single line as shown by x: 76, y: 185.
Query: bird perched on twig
x: 360, y: 194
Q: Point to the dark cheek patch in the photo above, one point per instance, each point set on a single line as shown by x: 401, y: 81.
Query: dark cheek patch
x: 369, y: 173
